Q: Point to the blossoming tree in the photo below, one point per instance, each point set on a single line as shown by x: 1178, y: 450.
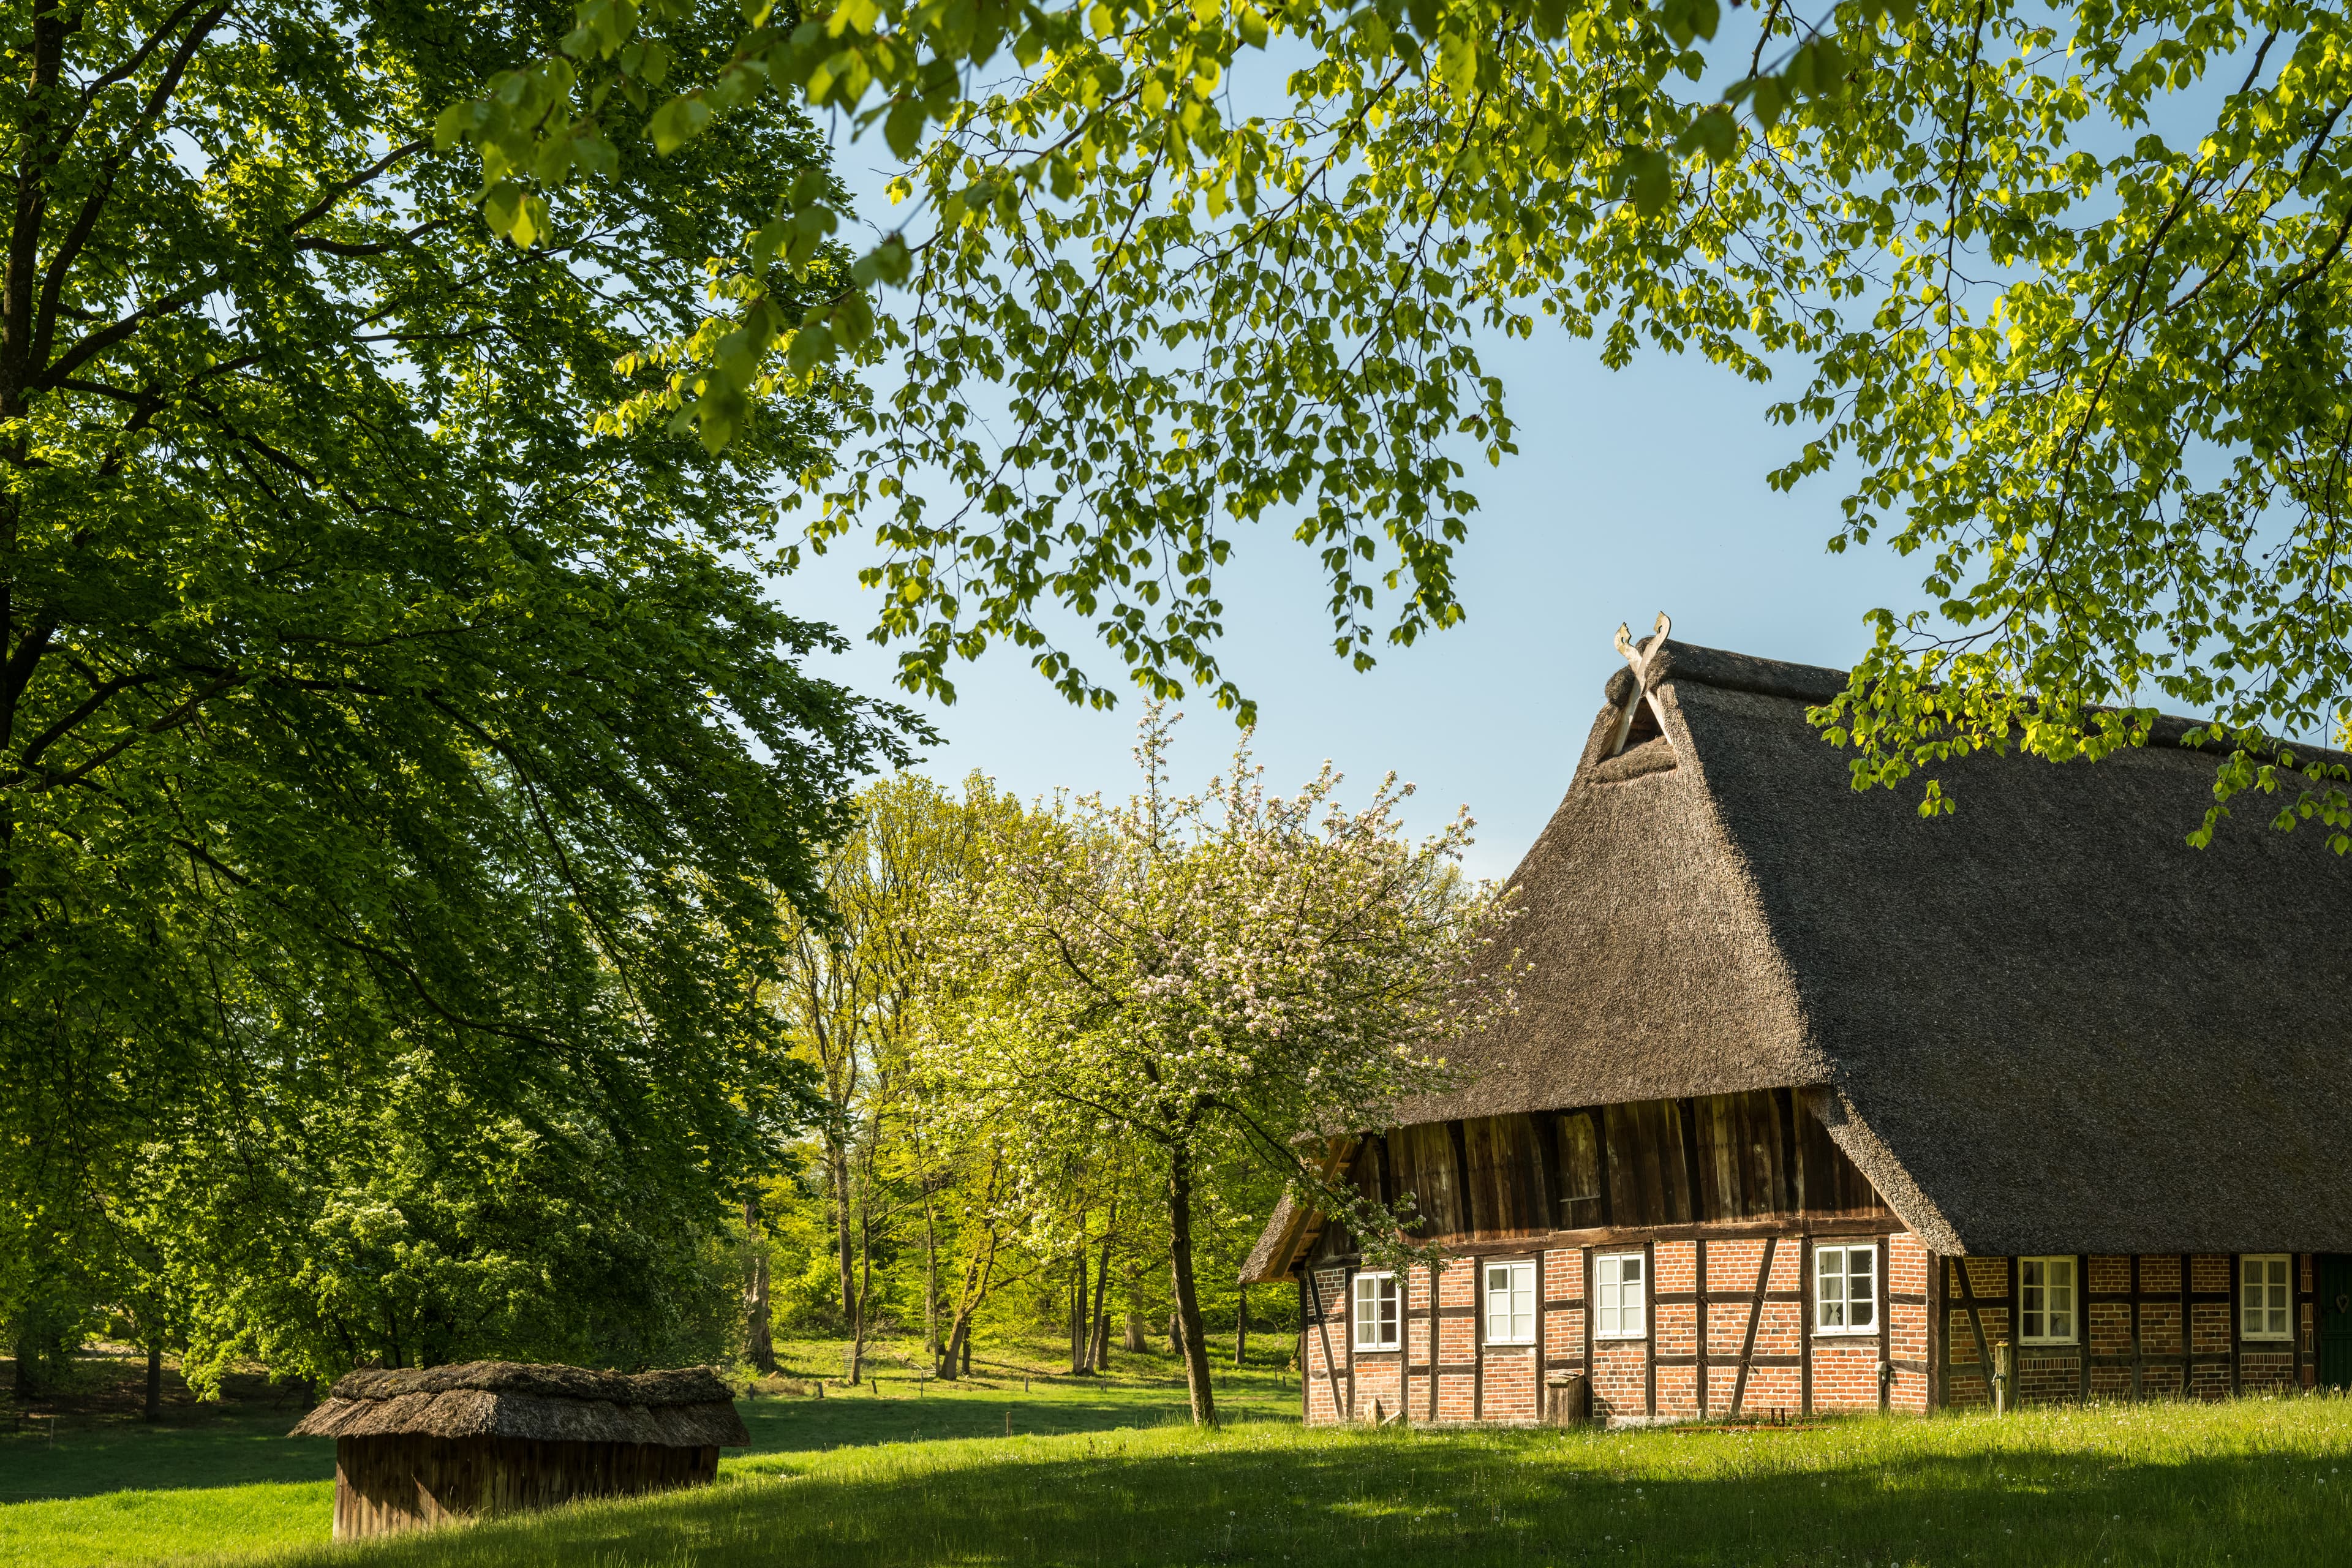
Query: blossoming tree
x: 1186, y: 980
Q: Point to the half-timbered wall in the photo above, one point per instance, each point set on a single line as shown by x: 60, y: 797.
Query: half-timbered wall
x: 2156, y: 1326
x: 1721, y: 1161
x: 1726, y: 1333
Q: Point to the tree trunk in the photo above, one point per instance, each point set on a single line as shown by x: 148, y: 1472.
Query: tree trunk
x: 1098, y: 1320
x: 858, y: 1304
x: 759, y: 1337
x: 1241, y: 1324
x: 838, y: 1158
x: 1081, y: 1324
x: 27, y: 1381
x: 154, y: 1407
x: 931, y: 1284
x: 1188, y: 1299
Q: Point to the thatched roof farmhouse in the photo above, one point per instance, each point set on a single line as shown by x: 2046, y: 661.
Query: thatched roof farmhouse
x: 1793, y: 1066
x: 423, y: 1445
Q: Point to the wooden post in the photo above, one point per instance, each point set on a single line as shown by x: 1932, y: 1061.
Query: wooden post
x: 2082, y: 1325
x: 1939, y: 1327
x: 1591, y: 1306
x: 1649, y: 1328
x: 2237, y: 1323
x: 2138, y: 1349
x: 1699, y: 1267
x: 2004, y: 1365
x: 1886, y: 1307
x: 1804, y: 1325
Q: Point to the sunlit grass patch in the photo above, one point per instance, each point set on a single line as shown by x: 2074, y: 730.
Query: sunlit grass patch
x: 2241, y: 1484
x: 2246, y: 1483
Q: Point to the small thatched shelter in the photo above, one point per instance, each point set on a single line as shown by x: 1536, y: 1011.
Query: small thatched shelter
x: 424, y: 1446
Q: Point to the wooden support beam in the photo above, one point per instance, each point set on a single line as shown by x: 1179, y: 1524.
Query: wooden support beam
x: 1805, y: 1326
x: 1698, y: 1309
x: 1649, y: 1328
x: 1331, y: 1367
x: 1755, y: 1319
x: 1975, y: 1325
x: 2083, y: 1324
x: 1885, y: 1331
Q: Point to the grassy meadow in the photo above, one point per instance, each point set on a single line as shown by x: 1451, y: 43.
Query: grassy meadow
x: 1104, y: 1472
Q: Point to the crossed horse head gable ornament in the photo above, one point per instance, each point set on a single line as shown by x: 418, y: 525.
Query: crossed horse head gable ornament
x: 1641, y: 659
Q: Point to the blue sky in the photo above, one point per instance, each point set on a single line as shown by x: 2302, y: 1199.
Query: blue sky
x: 1634, y: 491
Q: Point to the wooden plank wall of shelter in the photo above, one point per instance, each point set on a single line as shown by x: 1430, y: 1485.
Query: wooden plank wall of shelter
x: 384, y: 1485
x: 2154, y: 1326
x: 1744, y: 1165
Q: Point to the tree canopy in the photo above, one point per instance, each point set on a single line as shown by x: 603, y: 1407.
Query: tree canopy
x: 2064, y: 287
x: 389, y: 763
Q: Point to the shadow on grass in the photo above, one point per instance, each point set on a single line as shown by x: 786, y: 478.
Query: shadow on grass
x: 231, y: 1450
x: 1861, y: 1494
x: 856, y: 1420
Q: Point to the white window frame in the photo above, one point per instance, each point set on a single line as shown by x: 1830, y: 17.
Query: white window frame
x: 1608, y: 1277
x: 2284, y: 1261
x: 1518, y: 1276
x: 2073, y: 1288
x: 1364, y: 1313
x: 1844, y: 1253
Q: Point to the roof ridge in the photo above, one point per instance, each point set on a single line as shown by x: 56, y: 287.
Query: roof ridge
x: 1817, y: 685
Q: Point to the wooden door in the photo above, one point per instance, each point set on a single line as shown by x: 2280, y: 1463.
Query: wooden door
x: 2334, y: 1270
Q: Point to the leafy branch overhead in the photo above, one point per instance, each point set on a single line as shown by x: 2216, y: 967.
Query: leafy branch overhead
x: 2063, y: 292
x: 1150, y: 279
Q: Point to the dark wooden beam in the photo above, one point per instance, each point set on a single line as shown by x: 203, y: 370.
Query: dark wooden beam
x: 1649, y: 1327
x: 1975, y: 1325
x: 1885, y: 1330
x: 1331, y: 1367
x: 2082, y: 1322
x: 1755, y: 1318
x: 2139, y: 1347
x: 1698, y: 1309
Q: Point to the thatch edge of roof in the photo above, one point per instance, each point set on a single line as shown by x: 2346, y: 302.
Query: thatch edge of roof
x: 460, y: 1414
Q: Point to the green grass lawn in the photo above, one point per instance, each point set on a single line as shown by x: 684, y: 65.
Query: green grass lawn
x: 1105, y: 1474
x: 99, y: 1489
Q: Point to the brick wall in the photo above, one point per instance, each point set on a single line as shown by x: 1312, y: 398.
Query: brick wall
x: 1845, y: 1373
x: 1511, y: 1384
x: 1380, y: 1380
x: 1620, y: 1378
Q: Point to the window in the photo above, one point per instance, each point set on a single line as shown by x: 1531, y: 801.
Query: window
x: 2045, y: 1308
x: 2264, y: 1300
x: 1375, y: 1317
x: 1510, y: 1303
x: 1617, y: 1280
x: 1845, y: 1290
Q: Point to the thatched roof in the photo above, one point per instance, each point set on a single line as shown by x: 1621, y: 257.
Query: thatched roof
x: 2041, y: 1022
x: 687, y: 1408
